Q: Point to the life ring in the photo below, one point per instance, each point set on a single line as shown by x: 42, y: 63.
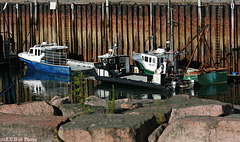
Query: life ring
x: 169, y: 62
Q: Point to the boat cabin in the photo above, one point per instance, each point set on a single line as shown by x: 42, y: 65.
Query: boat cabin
x: 49, y: 54
x: 115, y: 65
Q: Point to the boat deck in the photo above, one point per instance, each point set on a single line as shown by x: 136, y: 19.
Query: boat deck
x: 136, y: 78
x: 80, y: 65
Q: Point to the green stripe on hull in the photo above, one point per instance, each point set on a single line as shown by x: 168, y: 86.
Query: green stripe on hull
x: 209, y: 78
x: 141, y: 67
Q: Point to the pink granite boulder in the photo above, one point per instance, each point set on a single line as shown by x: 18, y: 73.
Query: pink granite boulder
x: 202, y: 129
x: 202, y: 110
x: 30, y: 108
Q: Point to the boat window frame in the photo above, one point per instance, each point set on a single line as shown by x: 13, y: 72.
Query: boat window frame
x: 146, y: 59
x: 30, y: 51
x: 111, y: 61
x: 35, y: 52
x: 154, y: 60
x: 122, y: 59
x: 150, y: 59
x: 39, y: 52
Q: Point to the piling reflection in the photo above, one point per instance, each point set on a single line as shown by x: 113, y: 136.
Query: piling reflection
x: 43, y: 86
x: 39, y: 86
x: 103, y: 90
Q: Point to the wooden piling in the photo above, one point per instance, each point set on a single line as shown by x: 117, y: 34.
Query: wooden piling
x: 90, y: 28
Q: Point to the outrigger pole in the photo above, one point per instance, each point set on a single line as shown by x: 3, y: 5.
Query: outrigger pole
x: 191, y: 41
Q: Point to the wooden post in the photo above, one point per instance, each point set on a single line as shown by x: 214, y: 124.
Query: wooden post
x: 1, y: 47
x: 233, y: 67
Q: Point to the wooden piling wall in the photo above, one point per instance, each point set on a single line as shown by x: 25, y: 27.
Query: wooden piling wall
x: 90, y: 28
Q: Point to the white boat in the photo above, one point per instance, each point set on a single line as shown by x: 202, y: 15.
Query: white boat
x: 155, y: 60
x: 52, y: 58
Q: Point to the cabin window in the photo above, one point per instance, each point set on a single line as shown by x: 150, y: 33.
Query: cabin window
x: 122, y: 59
x: 38, y: 52
x: 150, y: 59
x: 161, y: 60
x: 104, y: 60
x: 142, y: 57
x: 146, y: 59
x: 154, y: 60
x: 31, y: 51
x: 112, y: 61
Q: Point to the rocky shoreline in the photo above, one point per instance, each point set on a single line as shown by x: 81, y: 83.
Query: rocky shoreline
x: 179, y: 118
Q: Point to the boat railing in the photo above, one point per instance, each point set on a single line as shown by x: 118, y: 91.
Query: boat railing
x: 55, y: 58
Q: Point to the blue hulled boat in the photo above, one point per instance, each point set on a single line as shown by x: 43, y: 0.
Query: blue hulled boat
x: 47, y: 58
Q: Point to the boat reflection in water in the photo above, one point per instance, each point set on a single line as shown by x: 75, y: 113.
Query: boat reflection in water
x: 213, y: 91
x: 104, y: 90
x: 46, y: 85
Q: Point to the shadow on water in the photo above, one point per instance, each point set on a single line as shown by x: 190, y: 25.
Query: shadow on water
x: 38, y: 86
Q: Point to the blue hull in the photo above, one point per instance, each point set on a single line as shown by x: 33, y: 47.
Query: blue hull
x: 46, y: 67
x: 37, y: 75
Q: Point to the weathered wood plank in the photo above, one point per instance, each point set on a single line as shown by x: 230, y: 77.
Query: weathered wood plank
x: 146, y: 28
x: 221, y: 41
x: 135, y: 29
x: 164, y: 25
x: 41, y: 23
x: 176, y: 28
x: 84, y: 32
x: 141, y: 27
x: 89, y: 33
x: 23, y: 28
x: 188, y: 14
x: 28, y: 27
x: 227, y: 39
x: 130, y: 32
x: 213, y: 32
x: 49, y: 25
x: 79, y: 30
x: 69, y: 30
x: 206, y: 18
x: 125, y: 30
x: 157, y: 26
x: 238, y: 36
x: 94, y: 32
x: 99, y: 30
x: 113, y: 24
x: 14, y: 32
x: 182, y: 31
x: 120, y: 29
x: 195, y: 31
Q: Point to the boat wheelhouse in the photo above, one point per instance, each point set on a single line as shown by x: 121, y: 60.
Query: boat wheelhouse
x: 152, y: 61
x: 47, y: 58
x: 112, y: 65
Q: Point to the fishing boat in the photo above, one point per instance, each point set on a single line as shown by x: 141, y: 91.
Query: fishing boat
x: 153, y: 60
x: 47, y: 58
x: 52, y: 58
x: 116, y: 69
x: 207, y: 76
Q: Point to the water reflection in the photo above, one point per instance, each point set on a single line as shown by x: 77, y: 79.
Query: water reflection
x: 103, y: 90
x: 39, y: 86
x: 44, y: 85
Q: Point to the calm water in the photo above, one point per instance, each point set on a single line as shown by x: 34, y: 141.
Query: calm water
x: 37, y: 86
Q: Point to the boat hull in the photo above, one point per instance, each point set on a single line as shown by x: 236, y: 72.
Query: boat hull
x: 46, y: 67
x: 143, y: 69
x: 209, y: 78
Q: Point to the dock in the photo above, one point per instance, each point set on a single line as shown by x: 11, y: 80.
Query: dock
x: 233, y: 78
